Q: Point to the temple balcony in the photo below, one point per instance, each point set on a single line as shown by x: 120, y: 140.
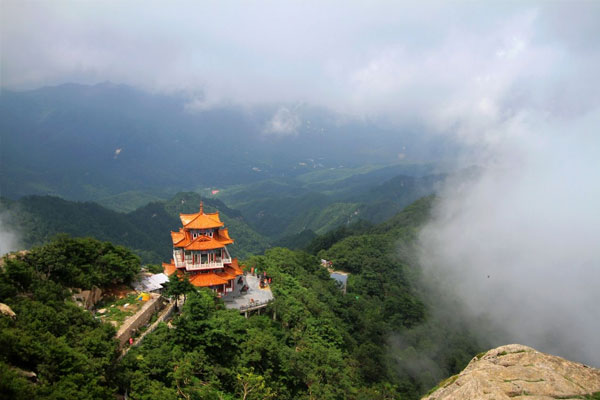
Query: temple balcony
x: 196, y: 267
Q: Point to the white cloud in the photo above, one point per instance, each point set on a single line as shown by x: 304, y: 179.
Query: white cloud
x: 285, y: 122
x: 9, y: 239
x: 395, y: 61
x: 518, y: 243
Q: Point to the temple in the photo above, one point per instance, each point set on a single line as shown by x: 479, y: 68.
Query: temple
x: 200, y: 252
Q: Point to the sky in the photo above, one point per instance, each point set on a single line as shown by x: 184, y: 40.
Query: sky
x: 515, y: 82
x: 379, y: 59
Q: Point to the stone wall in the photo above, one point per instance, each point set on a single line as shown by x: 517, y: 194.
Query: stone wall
x: 165, y: 314
x: 140, y: 319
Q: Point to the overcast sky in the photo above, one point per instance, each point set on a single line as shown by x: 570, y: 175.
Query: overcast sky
x: 389, y: 59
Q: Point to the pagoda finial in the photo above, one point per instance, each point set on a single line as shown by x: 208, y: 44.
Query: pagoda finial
x: 201, y: 207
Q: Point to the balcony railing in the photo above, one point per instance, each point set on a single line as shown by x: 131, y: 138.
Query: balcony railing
x: 194, y: 267
x: 191, y: 266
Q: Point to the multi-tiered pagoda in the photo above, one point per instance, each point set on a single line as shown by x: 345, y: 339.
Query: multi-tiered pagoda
x: 200, y: 252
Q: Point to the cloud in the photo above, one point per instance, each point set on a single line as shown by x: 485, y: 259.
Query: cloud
x: 285, y: 122
x: 393, y: 61
x: 518, y: 241
x: 9, y: 239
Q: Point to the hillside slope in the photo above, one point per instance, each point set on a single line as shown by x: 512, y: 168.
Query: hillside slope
x: 146, y: 230
x: 519, y: 372
x: 380, y: 340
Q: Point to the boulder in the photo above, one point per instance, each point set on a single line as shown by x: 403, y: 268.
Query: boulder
x: 6, y: 310
x: 515, y: 371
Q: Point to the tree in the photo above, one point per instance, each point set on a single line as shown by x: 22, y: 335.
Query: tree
x: 252, y: 386
x: 177, y: 286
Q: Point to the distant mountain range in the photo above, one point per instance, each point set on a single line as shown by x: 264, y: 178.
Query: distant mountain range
x: 119, y: 145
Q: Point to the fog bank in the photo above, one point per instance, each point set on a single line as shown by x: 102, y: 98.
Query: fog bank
x: 9, y: 240
x: 519, y: 241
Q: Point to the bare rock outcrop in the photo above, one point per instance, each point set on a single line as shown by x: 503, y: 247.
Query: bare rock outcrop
x: 6, y: 310
x: 87, y: 298
x: 515, y: 371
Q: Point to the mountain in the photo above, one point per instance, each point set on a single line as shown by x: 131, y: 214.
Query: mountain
x: 146, y: 230
x: 95, y: 142
x: 380, y: 340
x: 281, y: 208
x: 515, y: 371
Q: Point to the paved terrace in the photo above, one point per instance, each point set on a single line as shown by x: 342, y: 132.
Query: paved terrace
x: 254, y: 299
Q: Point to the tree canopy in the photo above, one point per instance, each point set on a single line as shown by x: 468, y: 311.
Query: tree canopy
x: 380, y: 340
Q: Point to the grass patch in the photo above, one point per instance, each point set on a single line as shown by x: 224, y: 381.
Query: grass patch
x: 502, y: 354
x: 480, y: 355
x: 118, y: 310
x: 444, y: 383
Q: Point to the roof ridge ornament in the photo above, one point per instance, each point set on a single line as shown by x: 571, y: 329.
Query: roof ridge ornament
x: 201, y: 207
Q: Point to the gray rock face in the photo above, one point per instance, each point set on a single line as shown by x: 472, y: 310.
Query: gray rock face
x: 515, y: 371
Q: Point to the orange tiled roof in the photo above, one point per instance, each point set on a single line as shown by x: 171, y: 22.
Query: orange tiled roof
x: 184, y: 239
x: 225, y: 276
x: 204, y: 243
x: 169, y: 268
x: 177, y: 236
x: 201, y: 220
x: 224, y: 234
x: 235, y: 267
x: 205, y: 280
x: 229, y: 271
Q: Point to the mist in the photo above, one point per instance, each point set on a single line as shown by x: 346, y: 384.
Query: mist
x: 9, y: 239
x: 518, y: 242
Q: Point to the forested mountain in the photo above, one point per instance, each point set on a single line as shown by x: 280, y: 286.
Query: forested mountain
x: 146, y: 230
x: 270, y: 211
x: 94, y: 142
x: 381, y: 340
x: 320, y: 202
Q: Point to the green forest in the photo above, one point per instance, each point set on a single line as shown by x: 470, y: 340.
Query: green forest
x: 380, y: 340
x: 146, y: 231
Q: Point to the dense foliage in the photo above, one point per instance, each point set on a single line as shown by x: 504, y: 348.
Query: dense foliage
x: 146, y: 230
x: 307, y: 352
x: 281, y: 208
x: 72, y: 354
x: 377, y: 341
x: 423, y: 343
x: 381, y: 340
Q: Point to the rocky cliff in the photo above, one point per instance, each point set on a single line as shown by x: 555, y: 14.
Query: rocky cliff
x: 515, y: 371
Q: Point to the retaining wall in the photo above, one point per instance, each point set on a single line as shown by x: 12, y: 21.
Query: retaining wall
x: 140, y: 319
